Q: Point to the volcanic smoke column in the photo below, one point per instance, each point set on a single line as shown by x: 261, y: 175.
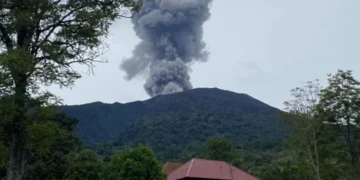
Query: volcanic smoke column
x: 171, y: 38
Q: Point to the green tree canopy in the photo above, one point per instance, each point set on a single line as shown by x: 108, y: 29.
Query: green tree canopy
x: 306, y: 138
x: 53, y: 165
x: 325, y: 129
x: 219, y: 148
x: 40, y: 40
x: 286, y: 170
x: 339, y: 106
x: 138, y: 163
x: 84, y: 165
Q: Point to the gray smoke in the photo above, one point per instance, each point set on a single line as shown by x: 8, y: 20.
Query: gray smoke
x: 171, y: 36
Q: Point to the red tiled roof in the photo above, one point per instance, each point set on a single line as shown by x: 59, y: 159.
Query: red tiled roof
x: 201, y: 168
x: 169, y: 167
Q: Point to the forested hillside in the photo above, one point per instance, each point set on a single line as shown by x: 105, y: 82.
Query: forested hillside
x: 99, y: 122
x: 43, y: 44
x: 176, y: 125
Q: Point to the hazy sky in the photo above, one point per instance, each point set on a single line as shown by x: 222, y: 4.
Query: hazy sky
x: 259, y: 47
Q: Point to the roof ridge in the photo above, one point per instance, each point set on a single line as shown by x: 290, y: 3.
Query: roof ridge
x: 173, y: 162
x: 211, y: 160
x: 192, y: 161
x: 218, y: 169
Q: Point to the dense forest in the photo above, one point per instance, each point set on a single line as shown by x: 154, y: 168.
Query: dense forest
x: 306, y: 141
x: 174, y: 123
x: 303, y: 142
x: 315, y: 137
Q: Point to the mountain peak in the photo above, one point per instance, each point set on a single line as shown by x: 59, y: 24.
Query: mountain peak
x: 207, y: 111
x: 212, y: 93
x: 208, y: 95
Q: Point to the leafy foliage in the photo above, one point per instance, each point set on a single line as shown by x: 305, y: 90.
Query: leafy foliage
x: 306, y: 139
x: 324, y: 139
x: 42, y: 136
x: 285, y: 170
x: 340, y: 106
x: 138, y: 163
x: 52, y: 35
x: 53, y: 165
x: 39, y: 41
x: 84, y: 165
x: 219, y: 148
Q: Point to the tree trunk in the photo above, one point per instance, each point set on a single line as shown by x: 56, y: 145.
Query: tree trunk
x: 315, y: 139
x: 17, y: 158
x: 17, y: 147
x: 349, y: 137
x: 354, y: 164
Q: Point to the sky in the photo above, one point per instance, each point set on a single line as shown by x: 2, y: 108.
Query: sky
x: 262, y: 48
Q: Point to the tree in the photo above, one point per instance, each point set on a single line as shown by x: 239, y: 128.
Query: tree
x: 39, y: 41
x: 51, y: 165
x: 306, y: 136
x: 286, y: 169
x: 54, y: 165
x: 3, y: 156
x: 137, y: 163
x: 219, y: 148
x: 340, y: 106
x: 84, y: 165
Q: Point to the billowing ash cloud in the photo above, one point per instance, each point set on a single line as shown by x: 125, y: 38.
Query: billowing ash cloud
x: 171, y: 38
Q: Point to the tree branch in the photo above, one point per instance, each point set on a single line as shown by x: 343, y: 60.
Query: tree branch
x: 51, y: 28
x: 5, y: 37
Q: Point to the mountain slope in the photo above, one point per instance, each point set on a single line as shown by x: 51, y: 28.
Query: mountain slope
x: 179, y: 123
x: 99, y: 122
x: 171, y: 123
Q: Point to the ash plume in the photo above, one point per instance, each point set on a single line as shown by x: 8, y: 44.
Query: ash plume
x: 171, y: 36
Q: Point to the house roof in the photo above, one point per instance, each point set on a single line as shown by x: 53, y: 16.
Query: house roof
x: 210, y: 169
x: 169, y: 167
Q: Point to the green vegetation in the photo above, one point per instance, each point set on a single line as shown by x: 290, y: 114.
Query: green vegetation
x: 176, y: 126
x: 340, y: 105
x: 219, y: 149
x: 84, y: 165
x: 54, y: 163
x: 316, y: 138
x: 306, y: 141
x: 39, y: 42
x: 137, y: 163
x: 325, y: 142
